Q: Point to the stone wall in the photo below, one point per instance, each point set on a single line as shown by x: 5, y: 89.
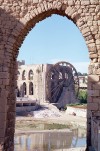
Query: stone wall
x: 37, y: 78
x: 17, y: 18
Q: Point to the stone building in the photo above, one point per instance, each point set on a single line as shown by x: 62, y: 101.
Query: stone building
x: 40, y: 82
x: 31, y: 81
x: 83, y: 82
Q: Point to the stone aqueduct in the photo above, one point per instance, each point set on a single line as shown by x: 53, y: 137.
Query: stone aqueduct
x: 17, y: 18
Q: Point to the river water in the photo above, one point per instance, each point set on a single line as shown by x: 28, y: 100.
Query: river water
x: 50, y: 140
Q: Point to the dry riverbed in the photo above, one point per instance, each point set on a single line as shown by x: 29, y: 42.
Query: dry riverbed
x: 46, y: 119
x: 48, y: 114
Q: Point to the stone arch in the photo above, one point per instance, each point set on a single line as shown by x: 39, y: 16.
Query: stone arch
x: 24, y: 75
x: 70, y: 11
x: 30, y: 75
x: 16, y: 20
x: 31, y: 88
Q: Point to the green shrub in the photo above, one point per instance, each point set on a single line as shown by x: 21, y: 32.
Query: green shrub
x: 82, y: 96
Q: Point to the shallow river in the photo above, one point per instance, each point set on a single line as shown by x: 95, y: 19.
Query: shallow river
x: 50, y: 140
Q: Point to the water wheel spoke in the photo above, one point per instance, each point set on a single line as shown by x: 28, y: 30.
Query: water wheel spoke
x: 60, y: 86
x: 63, y: 74
x: 61, y: 83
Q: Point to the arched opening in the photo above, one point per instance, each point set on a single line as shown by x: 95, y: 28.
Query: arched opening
x: 31, y: 89
x: 63, y: 75
x: 30, y: 75
x: 24, y: 89
x: 24, y: 75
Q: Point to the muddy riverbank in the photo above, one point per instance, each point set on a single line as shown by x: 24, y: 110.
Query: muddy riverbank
x: 44, y: 124
x: 48, y: 114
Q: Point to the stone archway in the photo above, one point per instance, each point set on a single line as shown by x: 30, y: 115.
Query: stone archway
x: 30, y: 75
x: 24, y: 89
x: 24, y: 75
x: 31, y: 90
x: 16, y: 20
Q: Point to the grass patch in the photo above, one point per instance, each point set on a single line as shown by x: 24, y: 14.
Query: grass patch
x: 31, y: 125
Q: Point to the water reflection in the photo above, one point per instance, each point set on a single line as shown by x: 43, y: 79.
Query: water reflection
x: 50, y: 140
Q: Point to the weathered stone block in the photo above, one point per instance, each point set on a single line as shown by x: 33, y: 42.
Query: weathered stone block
x: 68, y: 10
x: 3, y: 103
x: 93, y: 78
x: 85, y: 30
x: 96, y: 113
x: 2, y: 117
x: 49, y: 5
x: 85, y: 2
x: 2, y: 132
x: 93, y: 2
x: 35, y: 1
x: 93, y: 92
x: 89, y: 114
x: 1, y: 140
x: 1, y: 147
x: 10, y: 115
x: 10, y: 131
x: 70, y: 2
x: 90, y: 99
x: 93, y: 56
x: 96, y: 86
x: 46, y: 6
x: 96, y: 100
x: 10, y: 123
x: 2, y: 124
x: 98, y: 41
x: 93, y: 106
x: 4, y: 75
x: 39, y: 9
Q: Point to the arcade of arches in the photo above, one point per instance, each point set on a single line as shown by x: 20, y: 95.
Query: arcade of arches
x: 17, y: 18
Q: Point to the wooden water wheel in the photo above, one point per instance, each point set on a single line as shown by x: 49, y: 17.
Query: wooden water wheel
x: 61, y: 75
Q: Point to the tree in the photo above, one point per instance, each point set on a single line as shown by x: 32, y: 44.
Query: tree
x: 79, y: 74
x: 82, y: 96
x: 85, y: 74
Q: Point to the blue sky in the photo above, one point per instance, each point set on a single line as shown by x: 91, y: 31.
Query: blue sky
x: 55, y: 39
